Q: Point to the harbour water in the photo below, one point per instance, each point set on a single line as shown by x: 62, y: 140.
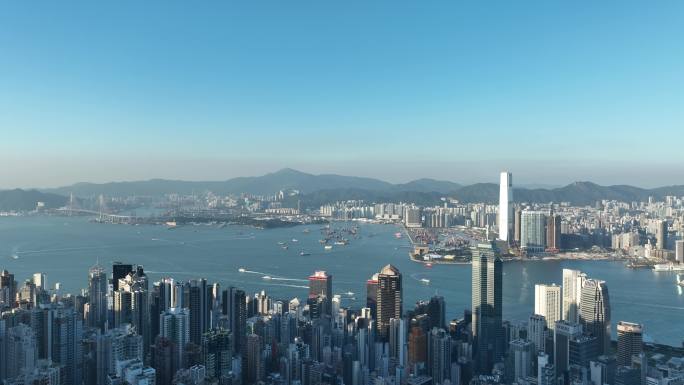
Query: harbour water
x: 65, y: 247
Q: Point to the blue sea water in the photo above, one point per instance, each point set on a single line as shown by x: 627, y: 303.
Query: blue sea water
x: 65, y: 247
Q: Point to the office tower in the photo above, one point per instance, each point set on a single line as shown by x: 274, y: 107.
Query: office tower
x: 679, y: 251
x: 439, y: 355
x: 119, y: 271
x: 582, y: 350
x: 505, y: 205
x: 547, y: 302
x: 417, y: 347
x: 97, y: 298
x: 661, y: 234
x: 40, y: 280
x: 397, y: 340
x: 217, y: 353
x: 486, y: 306
x: 517, y: 223
x: 238, y: 318
x: 22, y: 353
x: 521, y: 355
x: 536, y: 332
x: 372, y: 295
x: 164, y: 359
x: 8, y: 289
x: 389, y: 302
x: 131, y: 304
x: 320, y: 287
x: 573, y: 280
x: 436, y: 310
x: 533, y: 231
x: 255, y: 365
x: 174, y: 325
x: 553, y: 233
x: 199, y: 309
x: 629, y: 342
x: 563, y: 333
x: 595, y: 312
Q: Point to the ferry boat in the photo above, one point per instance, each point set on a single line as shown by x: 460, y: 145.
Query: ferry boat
x: 668, y: 267
x: 241, y: 270
x: 425, y: 281
x: 266, y: 277
x: 327, y: 247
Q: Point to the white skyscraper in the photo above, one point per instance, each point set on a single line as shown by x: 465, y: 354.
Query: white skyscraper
x: 505, y: 206
x: 573, y: 280
x: 547, y: 302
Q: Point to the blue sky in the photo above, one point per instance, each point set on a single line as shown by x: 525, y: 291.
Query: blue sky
x: 553, y: 91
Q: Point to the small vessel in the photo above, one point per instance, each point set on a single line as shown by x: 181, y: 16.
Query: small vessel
x: 266, y: 277
x: 398, y: 235
x: 340, y: 243
x: 304, y: 253
x: 281, y: 243
x: 425, y: 281
x: 327, y: 247
x: 349, y: 293
x: 428, y: 265
x: 306, y: 231
x: 241, y: 270
x: 294, y: 240
x: 285, y: 247
x: 15, y: 256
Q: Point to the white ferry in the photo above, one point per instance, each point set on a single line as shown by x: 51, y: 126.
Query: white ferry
x: 668, y: 267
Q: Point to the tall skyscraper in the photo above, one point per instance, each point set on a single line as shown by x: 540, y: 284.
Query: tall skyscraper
x: 8, y: 289
x: 679, y: 251
x: 595, y: 312
x: 372, y: 295
x: 522, y: 357
x: 199, y: 309
x: 505, y: 205
x: 553, y: 233
x: 564, y: 332
x: 237, y: 314
x: 217, y: 353
x: 573, y: 280
x: 486, y: 324
x: 389, y: 303
x: 533, y: 231
x: 320, y: 288
x: 97, y: 297
x: 119, y: 271
x: 661, y: 234
x: 174, y: 325
x: 131, y: 304
x: 629, y: 342
x: 517, y: 223
x: 547, y: 302
x: 536, y: 331
x: 439, y: 355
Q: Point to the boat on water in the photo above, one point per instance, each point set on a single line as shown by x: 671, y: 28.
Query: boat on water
x: 15, y: 256
x: 306, y: 231
x: 349, y: 293
x: 267, y: 277
x: 670, y: 266
x: 241, y: 270
x: 425, y: 281
x: 295, y: 240
x: 285, y: 247
x: 281, y: 243
x: 341, y: 243
x: 428, y: 265
x: 398, y: 235
x: 327, y: 247
x: 304, y: 253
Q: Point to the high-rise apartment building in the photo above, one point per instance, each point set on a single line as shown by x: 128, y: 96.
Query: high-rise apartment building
x: 533, y: 231
x: 320, y: 288
x: 553, y: 233
x: 573, y: 280
x: 97, y: 298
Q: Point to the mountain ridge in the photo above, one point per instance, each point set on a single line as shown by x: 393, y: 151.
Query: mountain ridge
x: 317, y: 188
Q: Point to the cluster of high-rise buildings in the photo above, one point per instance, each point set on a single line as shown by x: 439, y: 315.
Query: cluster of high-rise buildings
x: 124, y: 329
